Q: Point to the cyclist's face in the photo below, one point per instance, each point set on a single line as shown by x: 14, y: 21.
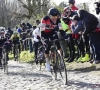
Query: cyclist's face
x: 15, y: 35
x: 54, y: 18
x: 2, y: 34
x: 70, y: 5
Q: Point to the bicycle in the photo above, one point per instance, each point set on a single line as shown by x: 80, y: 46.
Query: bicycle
x: 40, y: 56
x: 57, y: 62
x: 16, y: 51
x: 4, y: 59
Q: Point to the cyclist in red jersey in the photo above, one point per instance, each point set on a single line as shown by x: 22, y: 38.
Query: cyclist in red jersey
x: 50, y: 24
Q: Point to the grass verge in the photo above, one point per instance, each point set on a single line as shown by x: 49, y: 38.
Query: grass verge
x: 25, y: 56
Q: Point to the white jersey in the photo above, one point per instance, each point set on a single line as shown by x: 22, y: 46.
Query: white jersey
x: 35, y: 34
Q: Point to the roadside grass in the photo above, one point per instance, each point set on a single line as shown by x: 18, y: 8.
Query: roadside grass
x: 25, y: 56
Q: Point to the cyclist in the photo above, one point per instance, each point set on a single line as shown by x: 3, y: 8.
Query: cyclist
x: 23, y: 27
x: 37, y: 22
x: 7, y: 34
x: 36, y: 41
x: 77, y: 27
x: 15, y: 40
x: 49, y: 24
x: 3, y: 39
x: 10, y: 31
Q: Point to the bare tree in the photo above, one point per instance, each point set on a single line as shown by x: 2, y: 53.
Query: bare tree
x: 33, y: 7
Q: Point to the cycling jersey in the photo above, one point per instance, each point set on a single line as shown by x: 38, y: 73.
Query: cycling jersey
x: 36, y: 35
x: 15, y: 40
x: 2, y: 41
x: 46, y: 22
x: 48, y: 33
x: 13, y: 37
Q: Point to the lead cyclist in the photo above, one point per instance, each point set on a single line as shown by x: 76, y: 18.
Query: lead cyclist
x: 48, y: 22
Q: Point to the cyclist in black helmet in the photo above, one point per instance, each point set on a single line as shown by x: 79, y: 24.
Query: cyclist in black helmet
x: 50, y: 24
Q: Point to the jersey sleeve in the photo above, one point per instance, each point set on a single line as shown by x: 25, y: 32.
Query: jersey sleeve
x: 42, y: 25
x: 12, y: 37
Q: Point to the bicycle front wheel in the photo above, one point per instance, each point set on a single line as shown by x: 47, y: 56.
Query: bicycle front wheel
x: 62, y: 69
x: 5, y: 63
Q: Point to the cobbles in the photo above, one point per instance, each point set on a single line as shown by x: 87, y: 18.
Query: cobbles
x: 27, y: 77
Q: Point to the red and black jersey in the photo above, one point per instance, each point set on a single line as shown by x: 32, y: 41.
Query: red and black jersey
x: 46, y: 22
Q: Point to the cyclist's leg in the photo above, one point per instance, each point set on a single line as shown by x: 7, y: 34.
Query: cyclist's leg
x: 47, y: 49
x: 14, y: 50
x: 47, y: 57
x: 19, y: 46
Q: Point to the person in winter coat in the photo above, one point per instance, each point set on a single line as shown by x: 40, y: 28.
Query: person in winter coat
x: 77, y: 27
x: 90, y: 23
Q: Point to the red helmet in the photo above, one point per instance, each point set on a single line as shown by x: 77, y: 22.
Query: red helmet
x: 67, y: 9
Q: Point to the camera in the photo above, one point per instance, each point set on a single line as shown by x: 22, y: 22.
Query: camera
x: 97, y: 7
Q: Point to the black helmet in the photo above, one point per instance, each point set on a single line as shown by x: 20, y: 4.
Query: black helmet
x: 53, y: 12
x: 71, y: 2
x: 37, y: 22
x: 23, y: 24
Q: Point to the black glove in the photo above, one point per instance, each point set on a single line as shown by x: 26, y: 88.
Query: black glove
x: 47, y: 26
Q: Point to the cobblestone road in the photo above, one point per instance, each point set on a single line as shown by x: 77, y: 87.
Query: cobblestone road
x: 26, y: 77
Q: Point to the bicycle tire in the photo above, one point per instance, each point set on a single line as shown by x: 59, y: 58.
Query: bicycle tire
x: 53, y: 64
x: 18, y: 55
x: 40, y: 60
x: 4, y: 63
x: 63, y: 73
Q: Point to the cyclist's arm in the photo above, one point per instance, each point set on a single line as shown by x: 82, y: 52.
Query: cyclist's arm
x: 79, y: 27
x: 18, y: 36
x: 12, y: 37
x: 42, y: 25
